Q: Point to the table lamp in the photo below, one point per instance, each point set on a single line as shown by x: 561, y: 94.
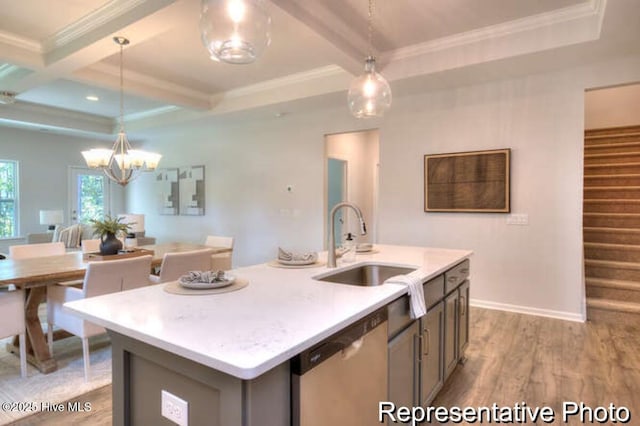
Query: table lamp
x: 136, y: 227
x: 51, y: 218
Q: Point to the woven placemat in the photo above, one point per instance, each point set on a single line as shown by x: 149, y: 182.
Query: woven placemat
x: 372, y: 251
x: 174, y: 287
x: 277, y: 264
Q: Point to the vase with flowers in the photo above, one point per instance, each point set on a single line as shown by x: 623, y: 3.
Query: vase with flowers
x: 108, y: 230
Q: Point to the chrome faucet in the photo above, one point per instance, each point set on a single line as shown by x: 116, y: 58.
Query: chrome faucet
x: 331, y: 253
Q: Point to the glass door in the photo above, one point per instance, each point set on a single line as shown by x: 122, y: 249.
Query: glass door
x: 89, y: 191
x: 336, y: 193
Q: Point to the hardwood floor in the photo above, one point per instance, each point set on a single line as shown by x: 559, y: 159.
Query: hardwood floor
x: 511, y: 358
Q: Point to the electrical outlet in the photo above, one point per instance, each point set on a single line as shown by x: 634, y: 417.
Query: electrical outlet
x: 175, y: 409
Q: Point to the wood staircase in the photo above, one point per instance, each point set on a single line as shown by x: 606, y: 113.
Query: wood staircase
x: 611, y: 222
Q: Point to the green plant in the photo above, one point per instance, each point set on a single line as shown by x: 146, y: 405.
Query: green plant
x: 108, y: 225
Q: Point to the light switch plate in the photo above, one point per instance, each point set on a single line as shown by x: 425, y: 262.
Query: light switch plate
x: 175, y: 409
x: 518, y: 219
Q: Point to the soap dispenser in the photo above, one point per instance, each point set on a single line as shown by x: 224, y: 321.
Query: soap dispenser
x: 350, y: 249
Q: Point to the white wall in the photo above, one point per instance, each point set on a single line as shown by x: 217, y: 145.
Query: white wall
x: 612, y: 107
x: 43, y: 162
x: 535, y: 268
x: 361, y: 152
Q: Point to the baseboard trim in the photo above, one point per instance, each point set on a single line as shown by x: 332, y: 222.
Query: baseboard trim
x: 568, y: 316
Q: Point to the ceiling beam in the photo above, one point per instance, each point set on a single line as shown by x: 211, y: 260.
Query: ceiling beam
x: 88, y: 41
x: 350, y: 46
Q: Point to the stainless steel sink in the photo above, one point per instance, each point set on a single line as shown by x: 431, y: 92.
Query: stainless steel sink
x: 365, y: 275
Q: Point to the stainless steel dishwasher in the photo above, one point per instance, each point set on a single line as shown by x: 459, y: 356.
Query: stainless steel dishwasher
x: 341, y: 380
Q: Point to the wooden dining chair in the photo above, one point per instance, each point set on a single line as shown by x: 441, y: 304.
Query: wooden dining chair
x: 12, y: 308
x: 100, y: 278
x: 220, y: 260
x: 176, y: 264
x: 24, y: 251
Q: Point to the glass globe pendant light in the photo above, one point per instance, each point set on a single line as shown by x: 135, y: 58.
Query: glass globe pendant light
x: 235, y: 31
x: 369, y: 94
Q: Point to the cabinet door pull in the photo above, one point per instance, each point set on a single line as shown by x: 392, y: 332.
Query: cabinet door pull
x: 463, y: 305
x: 428, y: 341
x: 452, y: 279
x: 464, y: 271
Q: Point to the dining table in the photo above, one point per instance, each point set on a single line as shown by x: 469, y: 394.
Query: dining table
x: 35, y: 275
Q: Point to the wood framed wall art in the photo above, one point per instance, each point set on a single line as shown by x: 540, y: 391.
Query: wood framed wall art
x: 476, y: 181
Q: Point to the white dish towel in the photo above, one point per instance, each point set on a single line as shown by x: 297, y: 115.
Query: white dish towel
x: 413, y: 281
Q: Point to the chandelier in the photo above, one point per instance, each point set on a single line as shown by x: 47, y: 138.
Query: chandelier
x: 235, y: 31
x: 369, y: 94
x: 121, y: 164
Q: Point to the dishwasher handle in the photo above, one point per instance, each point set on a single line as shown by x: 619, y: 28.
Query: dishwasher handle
x: 342, y: 340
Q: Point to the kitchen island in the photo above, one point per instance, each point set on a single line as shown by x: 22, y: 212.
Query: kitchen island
x: 230, y: 351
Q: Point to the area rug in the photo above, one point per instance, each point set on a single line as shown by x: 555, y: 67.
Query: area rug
x: 65, y: 383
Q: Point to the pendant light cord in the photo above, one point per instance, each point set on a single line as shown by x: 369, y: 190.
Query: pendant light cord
x: 121, y: 90
x: 371, y: 7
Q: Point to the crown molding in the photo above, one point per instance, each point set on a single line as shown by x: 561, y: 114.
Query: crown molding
x: 144, y: 85
x: 30, y: 115
x: 151, y: 113
x: 590, y: 9
x: 279, y: 83
x: 90, y: 22
x: 7, y: 69
x: 19, y: 42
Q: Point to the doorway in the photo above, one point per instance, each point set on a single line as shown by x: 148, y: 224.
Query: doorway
x: 89, y: 195
x: 352, y: 163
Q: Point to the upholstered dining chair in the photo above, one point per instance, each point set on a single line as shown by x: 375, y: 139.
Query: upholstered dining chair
x: 220, y: 260
x: 100, y: 278
x: 90, y: 245
x: 24, y: 251
x: 12, y: 308
x: 176, y: 264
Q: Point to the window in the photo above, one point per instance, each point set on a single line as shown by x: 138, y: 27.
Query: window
x: 90, y: 198
x: 8, y: 198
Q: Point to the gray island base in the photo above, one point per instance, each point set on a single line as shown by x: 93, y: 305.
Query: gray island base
x: 141, y: 372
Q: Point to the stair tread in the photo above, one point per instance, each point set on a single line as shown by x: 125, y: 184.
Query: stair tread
x: 614, y: 134
x: 609, y: 283
x: 613, y: 246
x: 613, y: 305
x: 595, y: 166
x: 613, y: 187
x: 612, y: 145
x: 612, y: 214
x: 613, y: 264
x: 612, y: 230
x: 611, y: 154
x: 612, y: 200
x: 621, y: 175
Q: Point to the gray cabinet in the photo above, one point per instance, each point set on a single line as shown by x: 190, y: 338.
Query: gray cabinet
x: 403, y: 366
x: 424, y: 353
x: 431, y: 376
x: 450, y: 332
x: 463, y: 319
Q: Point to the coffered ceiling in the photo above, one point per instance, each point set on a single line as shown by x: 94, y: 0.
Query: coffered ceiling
x: 54, y: 53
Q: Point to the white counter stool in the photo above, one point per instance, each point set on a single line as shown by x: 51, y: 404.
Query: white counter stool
x: 220, y: 260
x: 177, y: 264
x: 101, y: 278
x: 90, y: 245
x: 12, y: 308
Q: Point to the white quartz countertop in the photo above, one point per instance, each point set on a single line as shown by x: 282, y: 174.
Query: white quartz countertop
x: 279, y: 314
